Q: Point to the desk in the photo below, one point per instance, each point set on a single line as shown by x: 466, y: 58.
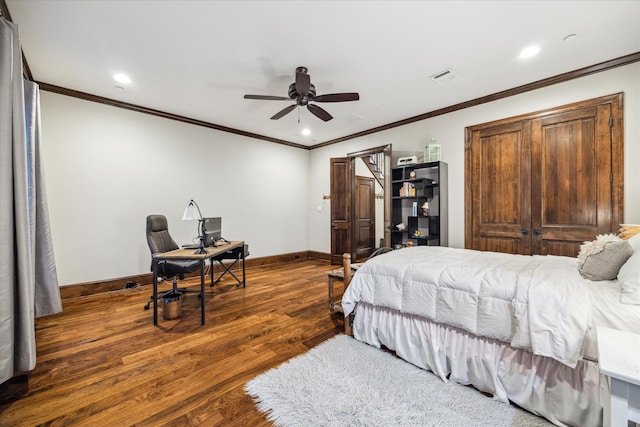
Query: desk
x: 619, y: 359
x: 188, y: 254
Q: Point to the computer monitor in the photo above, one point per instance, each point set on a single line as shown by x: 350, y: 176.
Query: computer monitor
x: 211, y: 230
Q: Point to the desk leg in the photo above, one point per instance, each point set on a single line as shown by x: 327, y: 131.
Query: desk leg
x: 244, y: 277
x: 155, y: 292
x: 202, y: 292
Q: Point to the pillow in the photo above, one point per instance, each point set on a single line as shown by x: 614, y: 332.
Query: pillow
x: 602, y: 258
x: 629, y: 279
x: 635, y: 243
x: 595, y: 246
x: 627, y: 231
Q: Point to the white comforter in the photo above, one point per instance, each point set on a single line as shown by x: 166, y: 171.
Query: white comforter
x: 537, y: 303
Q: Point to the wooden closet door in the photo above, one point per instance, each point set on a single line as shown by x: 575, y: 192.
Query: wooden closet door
x: 498, y: 185
x: 543, y: 183
x: 571, y: 179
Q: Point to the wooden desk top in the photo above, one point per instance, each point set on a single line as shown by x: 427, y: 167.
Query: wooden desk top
x: 212, y: 251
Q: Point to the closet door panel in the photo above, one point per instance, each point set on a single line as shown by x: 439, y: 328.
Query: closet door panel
x: 571, y: 173
x: 500, y: 190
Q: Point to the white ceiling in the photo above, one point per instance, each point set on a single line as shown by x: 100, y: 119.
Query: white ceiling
x: 198, y: 58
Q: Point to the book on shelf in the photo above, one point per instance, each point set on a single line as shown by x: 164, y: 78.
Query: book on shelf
x: 407, y: 190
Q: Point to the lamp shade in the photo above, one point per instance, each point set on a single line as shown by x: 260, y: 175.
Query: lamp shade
x: 191, y: 212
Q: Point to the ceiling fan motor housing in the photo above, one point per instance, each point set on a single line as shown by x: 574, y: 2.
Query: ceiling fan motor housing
x: 301, y: 99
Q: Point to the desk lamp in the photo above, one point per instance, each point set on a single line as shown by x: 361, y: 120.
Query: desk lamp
x: 191, y: 212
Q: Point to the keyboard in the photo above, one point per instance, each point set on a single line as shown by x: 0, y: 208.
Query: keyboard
x: 197, y: 245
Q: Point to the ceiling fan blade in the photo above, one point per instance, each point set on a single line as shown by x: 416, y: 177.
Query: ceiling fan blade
x: 319, y: 112
x: 303, y: 83
x: 337, y: 97
x: 284, y: 112
x: 268, y: 97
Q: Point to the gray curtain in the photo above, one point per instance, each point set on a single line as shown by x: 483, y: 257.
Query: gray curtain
x: 28, y: 278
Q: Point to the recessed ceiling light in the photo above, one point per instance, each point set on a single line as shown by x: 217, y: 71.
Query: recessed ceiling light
x: 306, y: 131
x: 122, y: 78
x: 530, y: 51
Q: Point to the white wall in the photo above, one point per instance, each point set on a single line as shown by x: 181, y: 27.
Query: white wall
x: 448, y: 130
x: 108, y: 168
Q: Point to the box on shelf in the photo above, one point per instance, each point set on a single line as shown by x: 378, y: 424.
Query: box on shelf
x: 407, y: 190
x: 432, y: 152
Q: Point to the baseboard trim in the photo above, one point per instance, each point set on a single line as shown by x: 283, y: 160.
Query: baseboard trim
x: 120, y: 284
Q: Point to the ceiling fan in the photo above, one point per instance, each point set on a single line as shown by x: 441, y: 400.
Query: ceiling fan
x: 303, y: 92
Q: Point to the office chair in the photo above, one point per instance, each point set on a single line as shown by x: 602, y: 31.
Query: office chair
x: 159, y: 241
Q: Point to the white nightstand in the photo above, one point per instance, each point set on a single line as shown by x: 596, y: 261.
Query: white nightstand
x: 619, y: 359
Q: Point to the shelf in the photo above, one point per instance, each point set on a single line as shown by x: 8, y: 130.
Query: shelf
x: 424, y: 238
x: 414, y: 181
x: 430, y: 185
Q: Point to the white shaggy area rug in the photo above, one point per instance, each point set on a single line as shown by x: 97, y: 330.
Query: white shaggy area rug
x: 344, y: 382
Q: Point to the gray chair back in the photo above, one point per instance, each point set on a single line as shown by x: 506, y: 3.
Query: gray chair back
x: 158, y: 236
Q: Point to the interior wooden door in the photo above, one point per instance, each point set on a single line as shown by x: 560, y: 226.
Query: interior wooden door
x: 340, y: 177
x: 365, y: 216
x: 499, y: 172
x: 572, y: 176
x: 545, y: 182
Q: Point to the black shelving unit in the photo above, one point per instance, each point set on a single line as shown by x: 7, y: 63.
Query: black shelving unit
x: 412, y: 186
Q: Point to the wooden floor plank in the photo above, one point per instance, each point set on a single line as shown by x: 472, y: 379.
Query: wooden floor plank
x: 102, y: 362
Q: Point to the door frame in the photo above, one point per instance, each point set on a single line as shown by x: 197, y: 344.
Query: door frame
x: 386, y: 149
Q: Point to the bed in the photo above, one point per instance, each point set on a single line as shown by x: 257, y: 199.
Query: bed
x: 521, y: 328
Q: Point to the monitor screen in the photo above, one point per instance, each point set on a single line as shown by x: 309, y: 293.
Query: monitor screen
x: 211, y: 230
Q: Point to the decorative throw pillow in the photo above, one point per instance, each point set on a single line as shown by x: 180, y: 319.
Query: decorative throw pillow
x: 629, y: 279
x: 595, y: 246
x: 602, y: 258
x: 634, y: 241
x: 627, y: 231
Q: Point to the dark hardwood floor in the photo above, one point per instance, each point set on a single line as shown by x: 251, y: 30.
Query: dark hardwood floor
x: 102, y: 362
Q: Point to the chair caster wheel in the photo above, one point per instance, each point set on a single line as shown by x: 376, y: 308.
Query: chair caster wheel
x: 146, y: 307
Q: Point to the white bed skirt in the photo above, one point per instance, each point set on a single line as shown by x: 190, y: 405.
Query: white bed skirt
x: 538, y: 384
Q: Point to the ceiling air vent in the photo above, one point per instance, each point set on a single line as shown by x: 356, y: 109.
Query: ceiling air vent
x: 443, y: 77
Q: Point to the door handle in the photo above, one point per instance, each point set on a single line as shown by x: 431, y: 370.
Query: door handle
x: 525, y: 232
x: 538, y: 232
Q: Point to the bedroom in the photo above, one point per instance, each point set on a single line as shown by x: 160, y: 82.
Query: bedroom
x: 117, y: 153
